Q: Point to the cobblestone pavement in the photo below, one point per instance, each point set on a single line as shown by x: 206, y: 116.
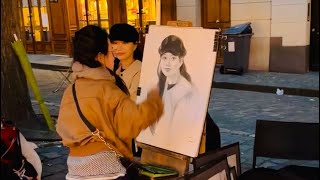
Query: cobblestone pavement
x: 234, y: 111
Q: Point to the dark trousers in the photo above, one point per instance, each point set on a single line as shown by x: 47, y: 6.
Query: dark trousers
x: 213, y: 138
x: 138, y: 153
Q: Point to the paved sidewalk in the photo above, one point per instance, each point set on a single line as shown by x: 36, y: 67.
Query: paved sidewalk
x: 234, y: 111
x: 293, y: 84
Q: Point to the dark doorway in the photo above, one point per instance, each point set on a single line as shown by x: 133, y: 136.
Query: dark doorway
x: 314, y: 36
x: 216, y: 14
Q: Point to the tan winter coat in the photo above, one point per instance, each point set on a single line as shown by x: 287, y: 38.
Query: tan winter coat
x: 108, y: 109
x: 131, y: 77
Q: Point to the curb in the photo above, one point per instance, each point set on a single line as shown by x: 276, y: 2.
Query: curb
x: 266, y: 89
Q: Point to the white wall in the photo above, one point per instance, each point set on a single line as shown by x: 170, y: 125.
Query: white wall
x: 258, y: 12
x: 290, y: 21
x: 269, y: 18
x: 189, y: 10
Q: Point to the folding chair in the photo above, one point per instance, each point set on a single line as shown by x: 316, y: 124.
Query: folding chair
x: 64, y: 80
x: 232, y: 151
x: 217, y: 169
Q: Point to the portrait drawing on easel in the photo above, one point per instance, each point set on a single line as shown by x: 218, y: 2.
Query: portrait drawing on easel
x: 180, y: 62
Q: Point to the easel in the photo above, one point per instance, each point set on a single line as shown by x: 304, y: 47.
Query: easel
x: 162, y: 157
x: 157, y: 156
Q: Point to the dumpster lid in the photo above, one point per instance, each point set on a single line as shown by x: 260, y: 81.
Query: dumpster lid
x: 244, y: 28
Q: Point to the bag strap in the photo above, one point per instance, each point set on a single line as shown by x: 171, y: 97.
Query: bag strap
x: 8, y: 149
x: 14, y: 142
x: 94, y: 131
x: 84, y: 119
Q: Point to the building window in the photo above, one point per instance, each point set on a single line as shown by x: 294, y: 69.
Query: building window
x: 35, y: 20
x: 141, y: 13
x: 93, y: 12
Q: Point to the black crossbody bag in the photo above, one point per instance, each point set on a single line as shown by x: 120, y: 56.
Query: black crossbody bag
x: 132, y: 167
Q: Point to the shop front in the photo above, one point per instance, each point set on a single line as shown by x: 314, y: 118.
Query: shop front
x: 49, y: 25
x: 36, y: 29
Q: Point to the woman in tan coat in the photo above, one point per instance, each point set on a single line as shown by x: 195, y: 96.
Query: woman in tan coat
x: 104, y: 101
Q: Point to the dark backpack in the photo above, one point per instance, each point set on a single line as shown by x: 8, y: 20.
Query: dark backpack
x: 13, y: 164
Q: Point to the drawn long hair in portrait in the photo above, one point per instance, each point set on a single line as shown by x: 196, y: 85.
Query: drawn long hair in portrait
x: 175, y: 85
x: 175, y: 60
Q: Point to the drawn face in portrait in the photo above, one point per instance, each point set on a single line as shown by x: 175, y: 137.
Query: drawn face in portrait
x: 170, y: 66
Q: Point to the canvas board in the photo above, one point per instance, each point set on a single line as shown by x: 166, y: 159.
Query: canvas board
x: 185, y: 103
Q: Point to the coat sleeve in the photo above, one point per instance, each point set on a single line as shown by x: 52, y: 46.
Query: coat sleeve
x: 131, y: 118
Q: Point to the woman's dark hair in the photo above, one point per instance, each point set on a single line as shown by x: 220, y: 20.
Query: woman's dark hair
x: 174, y: 45
x: 119, y: 82
x: 138, y: 54
x: 124, y: 32
x: 87, y: 44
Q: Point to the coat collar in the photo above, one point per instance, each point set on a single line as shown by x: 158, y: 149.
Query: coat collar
x: 83, y: 71
x: 133, y: 69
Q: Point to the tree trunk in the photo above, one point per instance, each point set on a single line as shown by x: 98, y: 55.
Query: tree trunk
x: 15, y: 98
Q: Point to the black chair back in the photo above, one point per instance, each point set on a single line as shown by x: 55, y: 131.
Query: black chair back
x: 286, y: 140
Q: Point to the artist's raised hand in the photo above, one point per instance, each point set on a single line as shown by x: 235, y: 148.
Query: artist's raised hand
x: 154, y: 92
